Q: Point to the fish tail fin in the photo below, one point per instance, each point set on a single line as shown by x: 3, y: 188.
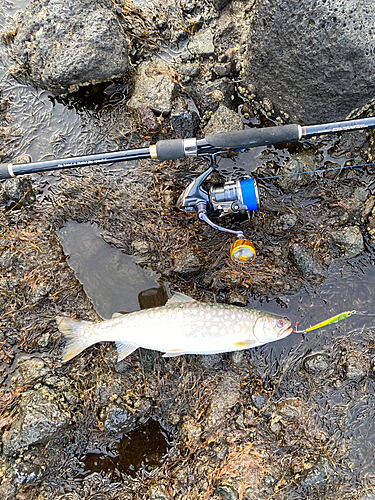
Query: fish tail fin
x: 72, y: 330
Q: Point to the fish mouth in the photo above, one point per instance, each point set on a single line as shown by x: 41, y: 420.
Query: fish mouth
x: 285, y: 331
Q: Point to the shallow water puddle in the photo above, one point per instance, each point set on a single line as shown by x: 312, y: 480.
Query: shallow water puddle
x: 144, y: 448
x: 111, y: 279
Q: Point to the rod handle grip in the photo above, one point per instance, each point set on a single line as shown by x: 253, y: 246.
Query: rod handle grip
x: 170, y: 149
x: 253, y: 137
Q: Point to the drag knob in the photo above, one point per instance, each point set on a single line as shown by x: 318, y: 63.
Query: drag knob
x: 242, y: 252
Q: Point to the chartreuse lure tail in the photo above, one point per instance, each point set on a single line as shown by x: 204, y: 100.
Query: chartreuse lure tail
x: 330, y: 321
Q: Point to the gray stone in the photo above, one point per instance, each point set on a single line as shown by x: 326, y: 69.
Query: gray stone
x: 202, y: 44
x: 237, y: 298
x: 259, y: 400
x: 190, y: 70
x: 290, y: 408
x: 63, y: 45
x: 226, y: 395
x: 40, y: 419
x: 158, y: 492
x: 226, y: 490
x: 27, y: 472
x: 184, y: 122
x: 350, y: 240
x: 318, y: 474
x: 215, y: 93
x: 153, y: 86
x: 8, y: 490
x: 305, y: 260
x: 316, y: 60
x: 316, y: 363
x: 118, y: 419
x: 223, y: 120
x: 296, y: 165
x: 16, y: 193
x: 30, y: 370
x: 356, y: 366
x: 223, y: 69
x: 187, y: 262
x: 220, y: 4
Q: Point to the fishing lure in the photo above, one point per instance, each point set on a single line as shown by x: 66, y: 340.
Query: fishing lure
x: 329, y: 321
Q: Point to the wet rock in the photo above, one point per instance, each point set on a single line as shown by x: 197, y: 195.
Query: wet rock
x: 40, y: 419
x: 189, y: 71
x: 38, y: 292
x: 64, y: 45
x: 190, y: 431
x: 259, y: 400
x: 290, y: 408
x: 140, y: 246
x: 331, y: 66
x: 316, y: 363
x: 223, y: 69
x: 187, y: 262
x: 7, y: 261
x: 223, y: 120
x: 215, y: 93
x: 297, y: 164
x: 202, y: 44
x: 118, y: 419
x: 237, y: 298
x: 106, y: 390
x: 305, y: 260
x: 318, y: 474
x: 350, y: 240
x: 227, y: 490
x: 30, y: 370
x: 27, y: 472
x: 183, y: 121
x: 356, y: 366
x: 8, y: 490
x: 158, y: 492
x: 17, y: 193
x: 226, y: 395
x: 220, y: 4
x: 146, y: 117
x: 153, y: 86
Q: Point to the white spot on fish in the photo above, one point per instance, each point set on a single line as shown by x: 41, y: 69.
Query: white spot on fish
x: 208, y: 316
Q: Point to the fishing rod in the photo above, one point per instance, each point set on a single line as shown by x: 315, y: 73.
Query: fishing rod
x: 239, y: 196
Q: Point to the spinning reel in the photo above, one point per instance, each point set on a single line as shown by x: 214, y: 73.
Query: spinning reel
x: 240, y: 196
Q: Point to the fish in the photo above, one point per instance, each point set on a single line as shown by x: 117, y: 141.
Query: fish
x: 182, y: 326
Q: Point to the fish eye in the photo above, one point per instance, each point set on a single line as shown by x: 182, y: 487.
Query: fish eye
x: 279, y: 323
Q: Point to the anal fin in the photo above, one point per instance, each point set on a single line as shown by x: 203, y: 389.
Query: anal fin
x: 124, y: 349
x: 244, y: 344
x: 173, y: 352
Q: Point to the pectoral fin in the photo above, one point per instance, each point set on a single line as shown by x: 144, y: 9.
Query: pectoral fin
x: 125, y: 349
x: 244, y: 344
x: 173, y: 352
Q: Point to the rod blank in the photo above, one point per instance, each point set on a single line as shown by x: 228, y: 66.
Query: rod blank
x: 180, y: 148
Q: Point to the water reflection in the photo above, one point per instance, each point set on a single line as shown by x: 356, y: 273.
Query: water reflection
x: 111, y: 279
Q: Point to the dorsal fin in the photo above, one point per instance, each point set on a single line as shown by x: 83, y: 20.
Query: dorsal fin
x: 179, y: 298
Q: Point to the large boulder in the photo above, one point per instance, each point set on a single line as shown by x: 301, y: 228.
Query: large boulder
x: 315, y: 60
x: 63, y: 44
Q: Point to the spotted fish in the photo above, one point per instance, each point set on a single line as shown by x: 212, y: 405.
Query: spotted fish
x: 182, y: 326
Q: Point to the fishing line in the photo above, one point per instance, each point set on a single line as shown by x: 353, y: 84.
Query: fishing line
x: 322, y: 170
x: 334, y: 319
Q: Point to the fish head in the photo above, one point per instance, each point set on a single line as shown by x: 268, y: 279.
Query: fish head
x: 270, y: 327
